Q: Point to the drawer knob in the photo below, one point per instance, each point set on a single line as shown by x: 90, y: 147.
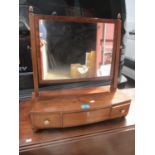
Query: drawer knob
x: 122, y: 111
x: 46, y: 122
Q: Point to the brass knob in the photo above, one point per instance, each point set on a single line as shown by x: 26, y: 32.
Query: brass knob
x: 122, y: 111
x: 46, y: 122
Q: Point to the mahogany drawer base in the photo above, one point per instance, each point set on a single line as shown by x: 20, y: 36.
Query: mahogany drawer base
x: 68, y: 111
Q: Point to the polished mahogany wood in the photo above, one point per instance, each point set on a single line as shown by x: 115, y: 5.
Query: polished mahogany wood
x: 73, y: 103
x: 111, y: 137
x: 47, y: 120
x: 114, y: 142
x: 80, y: 118
x: 74, y: 19
x: 74, y: 91
x: 67, y: 110
x: 120, y: 110
x: 116, y: 55
x: 34, y: 53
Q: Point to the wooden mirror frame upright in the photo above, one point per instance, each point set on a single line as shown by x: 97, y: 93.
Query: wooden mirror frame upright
x: 75, y: 107
x: 35, y: 45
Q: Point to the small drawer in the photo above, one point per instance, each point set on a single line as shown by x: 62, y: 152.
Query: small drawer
x: 120, y: 110
x: 45, y: 120
x: 80, y: 118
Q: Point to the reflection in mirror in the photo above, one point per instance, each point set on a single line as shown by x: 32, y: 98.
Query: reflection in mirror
x: 75, y: 50
x: 104, y: 49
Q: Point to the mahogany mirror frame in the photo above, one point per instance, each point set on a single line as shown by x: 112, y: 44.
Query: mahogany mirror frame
x: 35, y: 45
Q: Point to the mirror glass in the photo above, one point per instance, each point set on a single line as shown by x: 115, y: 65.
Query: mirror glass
x: 75, y: 50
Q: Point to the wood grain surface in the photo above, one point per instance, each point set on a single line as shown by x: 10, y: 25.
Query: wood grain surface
x: 116, y: 136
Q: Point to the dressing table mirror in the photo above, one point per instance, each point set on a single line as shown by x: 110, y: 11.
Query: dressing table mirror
x: 75, y: 50
x: 70, y: 51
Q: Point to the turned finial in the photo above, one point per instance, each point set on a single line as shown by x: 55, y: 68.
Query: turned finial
x: 119, y: 15
x: 30, y: 8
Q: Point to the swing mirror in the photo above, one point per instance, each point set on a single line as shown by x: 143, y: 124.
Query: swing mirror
x: 71, y: 50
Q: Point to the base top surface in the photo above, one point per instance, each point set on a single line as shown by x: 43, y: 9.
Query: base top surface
x: 75, y: 103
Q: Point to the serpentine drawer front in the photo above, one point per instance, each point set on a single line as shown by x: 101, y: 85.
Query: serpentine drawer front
x: 80, y: 118
x: 46, y: 120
